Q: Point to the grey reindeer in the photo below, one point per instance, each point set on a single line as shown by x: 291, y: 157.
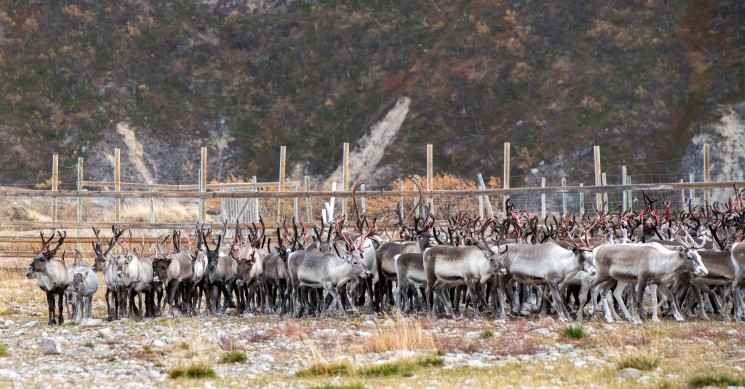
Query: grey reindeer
x: 51, y: 275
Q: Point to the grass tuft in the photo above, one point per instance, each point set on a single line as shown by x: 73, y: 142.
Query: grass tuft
x: 386, y: 369
x: 88, y: 344
x: 487, y: 334
x: 574, y: 332
x: 3, y: 350
x: 403, y: 335
x: 331, y: 386
x: 715, y: 380
x: 233, y: 357
x: 403, y: 368
x: 639, y: 362
x: 193, y: 371
x: 430, y: 361
x: 325, y: 369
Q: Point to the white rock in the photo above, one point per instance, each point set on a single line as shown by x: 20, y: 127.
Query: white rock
x: 154, y: 374
x: 472, y: 335
x: 325, y: 332
x: 9, y: 323
x: 266, y: 358
x: 730, y: 332
x: 261, y: 333
x: 565, y: 346
x: 32, y: 323
x: 389, y: 323
x: 545, y: 332
x: 364, y: 334
x: 367, y: 324
x: 91, y: 322
x: 131, y: 385
x: 104, y: 332
x: 629, y: 372
x: 475, y: 363
x: 51, y: 346
x: 9, y: 375
x: 158, y: 343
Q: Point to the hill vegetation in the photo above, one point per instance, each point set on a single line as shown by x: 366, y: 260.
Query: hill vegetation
x: 554, y: 78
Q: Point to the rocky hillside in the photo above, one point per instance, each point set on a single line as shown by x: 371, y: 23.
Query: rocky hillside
x: 159, y: 79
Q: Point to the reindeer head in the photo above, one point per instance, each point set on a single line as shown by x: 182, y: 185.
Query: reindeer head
x: 78, y: 279
x: 160, y: 268
x: 45, y: 254
x: 213, y: 256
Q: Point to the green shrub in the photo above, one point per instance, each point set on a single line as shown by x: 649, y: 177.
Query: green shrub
x: 193, y: 371
x: 330, y: 386
x: 639, y: 362
x: 325, y: 369
x: 233, y: 357
x: 716, y: 380
x: 574, y: 332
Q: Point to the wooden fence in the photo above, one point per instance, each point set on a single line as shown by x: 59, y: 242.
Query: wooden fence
x: 238, y: 199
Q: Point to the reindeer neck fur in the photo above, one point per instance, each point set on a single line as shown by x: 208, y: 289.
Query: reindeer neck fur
x: 54, y: 278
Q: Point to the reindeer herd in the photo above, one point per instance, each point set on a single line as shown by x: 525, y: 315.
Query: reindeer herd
x: 681, y: 263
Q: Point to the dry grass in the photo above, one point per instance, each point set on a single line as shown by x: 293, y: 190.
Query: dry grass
x: 168, y: 213
x: 403, y: 334
x: 25, y: 210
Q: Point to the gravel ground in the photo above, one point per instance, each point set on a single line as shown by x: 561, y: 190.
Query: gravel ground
x: 132, y: 354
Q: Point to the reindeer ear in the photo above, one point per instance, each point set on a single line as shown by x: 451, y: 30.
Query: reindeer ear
x: 681, y: 250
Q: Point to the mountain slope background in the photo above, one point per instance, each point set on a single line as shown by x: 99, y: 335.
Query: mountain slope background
x: 646, y: 80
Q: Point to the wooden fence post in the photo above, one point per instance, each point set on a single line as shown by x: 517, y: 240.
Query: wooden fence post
x: 415, y: 200
x: 55, y: 184
x: 581, y: 201
x: 691, y: 179
x: 625, y: 193
x: 282, y: 162
x: 543, y: 198
x: 117, y: 185
x: 255, y: 205
x: 308, y: 202
x: 203, y: 184
x: 506, y: 178
x: 79, y: 186
x: 598, y: 178
x: 563, y: 196
x: 486, y: 197
x: 605, y: 194
x: 345, y: 178
x: 430, y: 164
x: 707, y: 192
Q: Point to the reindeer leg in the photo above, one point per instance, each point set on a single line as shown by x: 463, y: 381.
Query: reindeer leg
x: 61, y: 308
x: 475, y: 298
x: 50, y: 305
x: 676, y: 313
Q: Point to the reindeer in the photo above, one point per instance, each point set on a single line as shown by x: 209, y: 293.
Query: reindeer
x: 324, y: 270
x: 643, y: 264
x: 51, y: 274
x: 221, y: 271
x: 84, y: 285
x: 385, y: 253
x: 176, y: 273
x: 447, y: 266
x: 104, y: 263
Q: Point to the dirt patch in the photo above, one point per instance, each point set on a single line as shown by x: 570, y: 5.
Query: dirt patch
x: 369, y: 151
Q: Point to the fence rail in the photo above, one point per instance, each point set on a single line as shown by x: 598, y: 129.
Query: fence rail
x: 370, y: 193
